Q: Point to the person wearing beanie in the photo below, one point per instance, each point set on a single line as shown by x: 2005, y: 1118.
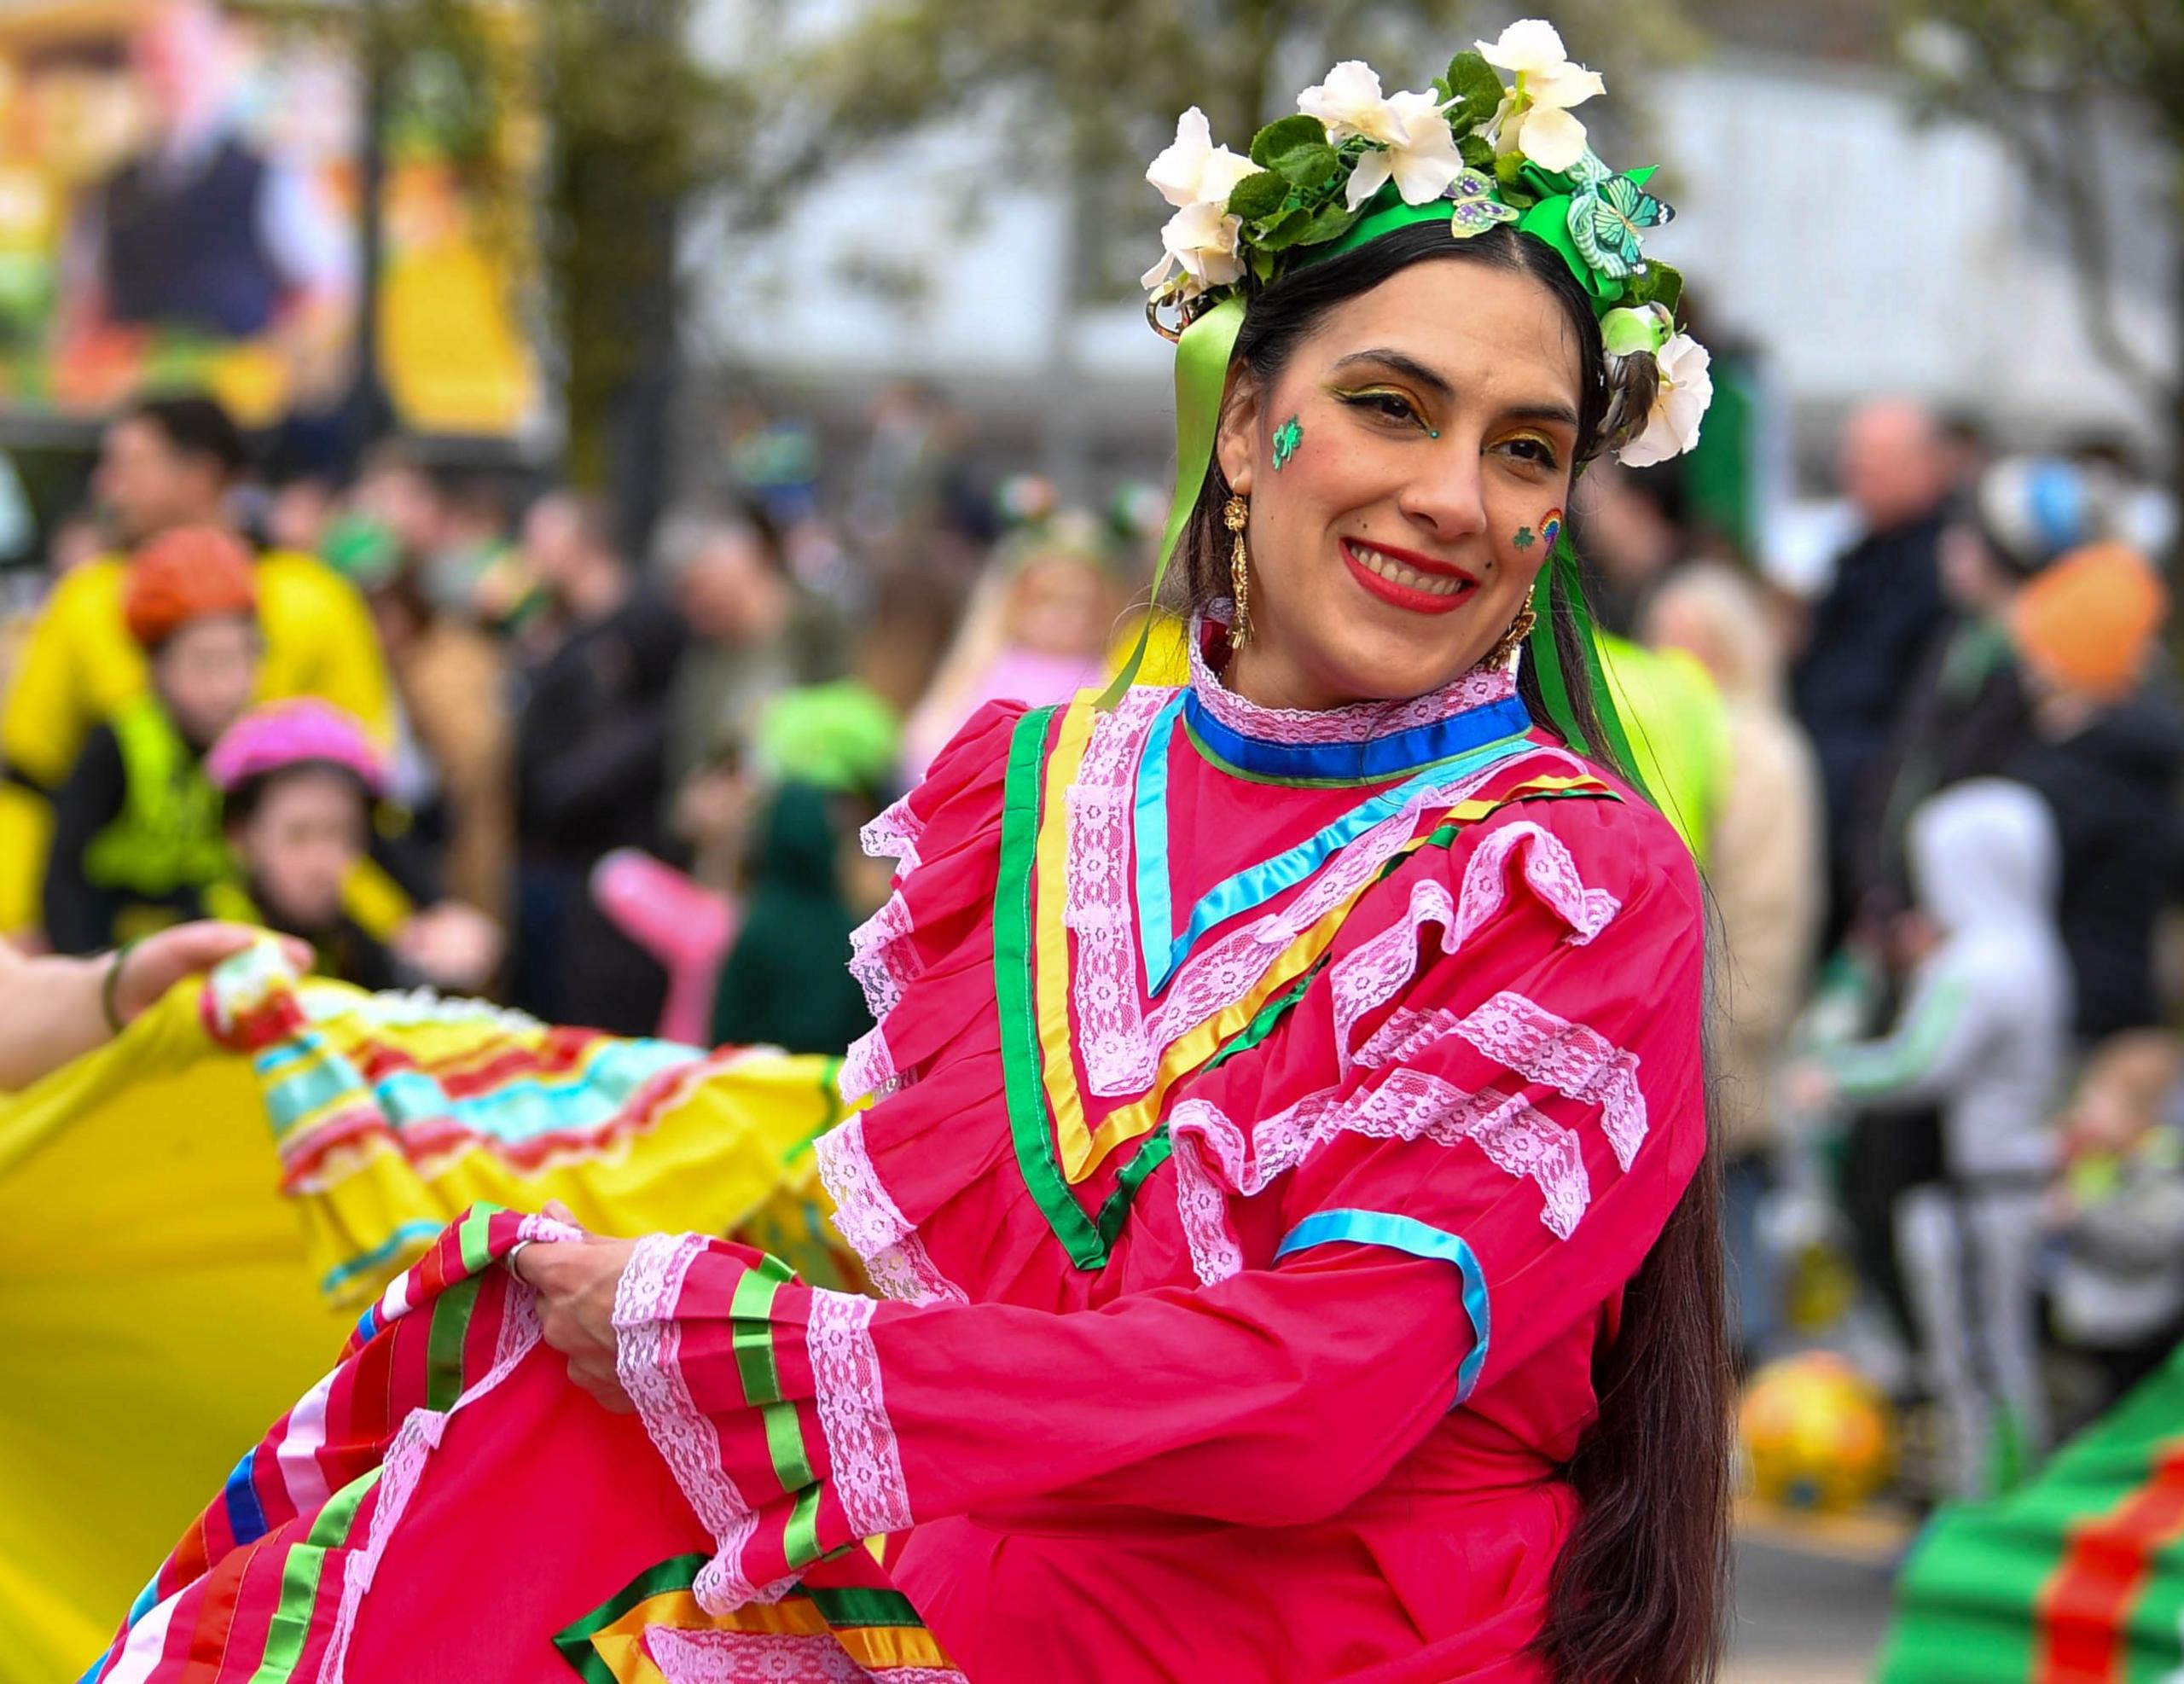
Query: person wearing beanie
x: 137, y: 835
x: 2106, y: 750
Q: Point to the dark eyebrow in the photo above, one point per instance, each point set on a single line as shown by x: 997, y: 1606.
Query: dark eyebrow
x: 1409, y: 367
x: 1416, y: 372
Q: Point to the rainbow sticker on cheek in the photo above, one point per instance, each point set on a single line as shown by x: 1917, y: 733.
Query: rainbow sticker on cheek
x: 1550, y: 527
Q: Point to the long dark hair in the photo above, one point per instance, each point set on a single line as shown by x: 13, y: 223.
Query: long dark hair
x: 1641, y: 1591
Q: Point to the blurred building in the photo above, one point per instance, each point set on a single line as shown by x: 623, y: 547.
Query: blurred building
x: 1818, y: 221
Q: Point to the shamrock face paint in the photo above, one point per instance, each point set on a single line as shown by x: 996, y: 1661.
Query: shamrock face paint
x: 1287, y: 437
x: 1526, y: 539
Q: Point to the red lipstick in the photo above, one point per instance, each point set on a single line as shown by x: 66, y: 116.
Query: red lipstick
x: 1405, y: 596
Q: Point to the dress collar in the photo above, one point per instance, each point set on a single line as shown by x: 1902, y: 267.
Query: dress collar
x: 1362, y: 742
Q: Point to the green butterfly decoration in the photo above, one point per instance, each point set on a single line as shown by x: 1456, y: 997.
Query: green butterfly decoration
x: 1477, y: 209
x: 1607, y: 218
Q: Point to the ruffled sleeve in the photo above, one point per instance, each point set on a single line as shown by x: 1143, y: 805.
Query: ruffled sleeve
x: 945, y: 839
x: 1530, y: 1107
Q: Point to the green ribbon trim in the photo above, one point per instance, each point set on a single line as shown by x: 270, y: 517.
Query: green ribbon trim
x: 678, y: 1572
x: 1201, y: 377
x: 1559, y: 579
x: 1031, y: 1127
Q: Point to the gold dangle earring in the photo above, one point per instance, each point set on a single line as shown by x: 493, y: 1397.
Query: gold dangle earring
x: 1234, y: 516
x: 1512, y: 640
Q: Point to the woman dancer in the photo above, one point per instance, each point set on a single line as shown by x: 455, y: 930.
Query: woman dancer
x: 1288, y: 1159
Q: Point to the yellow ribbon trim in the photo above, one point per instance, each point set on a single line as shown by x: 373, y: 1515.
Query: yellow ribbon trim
x: 1081, y: 1148
x: 621, y: 1645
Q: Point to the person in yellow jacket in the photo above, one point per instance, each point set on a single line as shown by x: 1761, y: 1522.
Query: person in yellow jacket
x: 137, y: 842
x: 167, y: 462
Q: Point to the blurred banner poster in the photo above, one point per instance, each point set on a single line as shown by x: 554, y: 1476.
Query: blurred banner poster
x: 180, y: 189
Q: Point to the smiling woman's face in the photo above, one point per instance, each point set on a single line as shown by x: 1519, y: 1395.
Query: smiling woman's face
x: 1436, y: 428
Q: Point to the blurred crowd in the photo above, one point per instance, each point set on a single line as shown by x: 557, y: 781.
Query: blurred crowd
x: 451, y: 729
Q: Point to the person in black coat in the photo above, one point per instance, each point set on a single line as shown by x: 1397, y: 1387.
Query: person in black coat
x: 591, y: 758
x: 1870, y: 630
x: 2107, y: 756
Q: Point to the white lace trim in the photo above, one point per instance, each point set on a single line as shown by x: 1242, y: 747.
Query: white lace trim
x: 894, y: 835
x: 1408, y: 1105
x: 1361, y: 722
x: 1378, y: 969
x: 868, y: 1070
x: 873, y: 1226
x: 882, y: 957
x: 688, y: 1656
x: 647, y: 1342
x: 1578, y: 1062
x: 865, y: 1463
x: 1121, y: 1044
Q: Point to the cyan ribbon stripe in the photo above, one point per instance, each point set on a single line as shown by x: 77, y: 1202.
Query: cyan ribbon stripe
x: 1256, y: 884
x: 405, y: 1234
x: 1418, y: 1240
x: 1393, y: 756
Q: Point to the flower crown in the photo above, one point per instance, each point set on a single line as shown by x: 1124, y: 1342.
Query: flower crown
x: 1354, y: 164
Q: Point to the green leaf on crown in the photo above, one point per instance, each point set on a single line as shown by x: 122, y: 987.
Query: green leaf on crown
x: 1478, y: 154
x: 1478, y: 85
x: 1312, y: 228
x: 1297, y: 149
x: 1662, y: 284
x: 1257, y: 197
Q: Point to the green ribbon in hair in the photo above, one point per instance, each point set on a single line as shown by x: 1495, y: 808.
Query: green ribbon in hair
x: 1201, y: 377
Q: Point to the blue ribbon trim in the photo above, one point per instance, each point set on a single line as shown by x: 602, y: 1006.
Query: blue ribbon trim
x: 1418, y: 1240
x: 1397, y: 755
x: 1165, y: 951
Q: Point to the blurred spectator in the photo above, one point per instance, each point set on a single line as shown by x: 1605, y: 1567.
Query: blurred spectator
x: 1630, y: 531
x: 137, y: 838
x: 1763, y: 863
x: 452, y: 680
x: 914, y: 494
x: 787, y: 982
x: 755, y: 631
x: 2107, y: 748
x: 2118, y: 1209
x: 1874, y: 622
x: 167, y: 462
x: 1965, y: 712
x: 591, y: 769
x: 1983, y: 1033
x: 1037, y: 631
x: 76, y: 538
x: 300, y: 783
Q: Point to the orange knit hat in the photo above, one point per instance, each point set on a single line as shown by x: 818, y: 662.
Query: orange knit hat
x: 186, y: 574
x: 2089, y: 623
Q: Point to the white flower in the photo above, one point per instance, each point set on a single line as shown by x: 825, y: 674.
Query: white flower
x: 1193, y: 170
x: 1197, y: 177
x: 1417, y: 148
x: 1686, y: 388
x: 1203, y: 242
x: 1534, y: 117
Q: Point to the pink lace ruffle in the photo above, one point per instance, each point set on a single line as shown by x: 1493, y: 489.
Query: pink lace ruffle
x: 1359, y: 722
x: 868, y: 1069
x: 647, y: 1341
x: 894, y: 836
x: 865, y: 1463
x: 882, y: 958
x: 871, y: 1225
x: 1575, y: 1061
x: 1379, y: 969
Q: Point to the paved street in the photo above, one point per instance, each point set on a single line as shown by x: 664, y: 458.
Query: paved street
x: 1807, y: 1612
